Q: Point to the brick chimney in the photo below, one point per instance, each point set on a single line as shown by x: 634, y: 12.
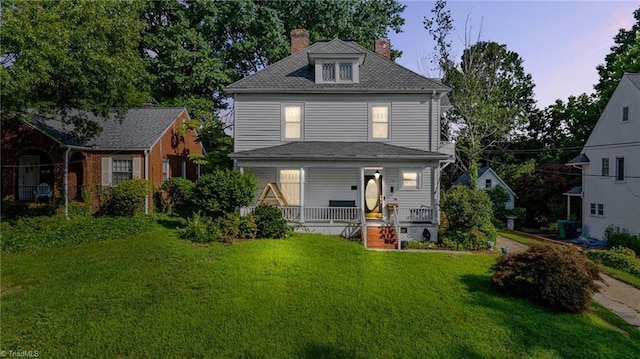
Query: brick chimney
x: 299, y: 40
x: 383, y: 48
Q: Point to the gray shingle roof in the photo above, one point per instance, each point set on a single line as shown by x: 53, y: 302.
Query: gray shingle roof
x: 575, y: 191
x: 579, y: 160
x: 635, y: 79
x: 338, y: 150
x: 139, y: 129
x: 464, y: 179
x: 377, y: 74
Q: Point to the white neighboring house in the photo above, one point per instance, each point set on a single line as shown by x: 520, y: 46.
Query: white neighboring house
x: 488, y: 179
x: 346, y: 135
x: 610, y: 162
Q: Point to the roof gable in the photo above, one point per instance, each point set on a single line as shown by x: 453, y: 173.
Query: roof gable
x: 139, y: 129
x: 377, y: 74
x: 610, y: 130
x: 483, y: 172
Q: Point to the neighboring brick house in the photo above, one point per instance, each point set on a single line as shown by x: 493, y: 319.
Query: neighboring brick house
x: 149, y: 143
x: 345, y: 140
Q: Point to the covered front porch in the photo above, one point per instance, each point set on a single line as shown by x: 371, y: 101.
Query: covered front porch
x: 392, y: 188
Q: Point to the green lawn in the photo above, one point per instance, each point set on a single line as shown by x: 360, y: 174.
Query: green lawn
x: 307, y: 297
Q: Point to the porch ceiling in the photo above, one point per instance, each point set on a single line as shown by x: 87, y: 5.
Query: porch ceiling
x: 322, y: 150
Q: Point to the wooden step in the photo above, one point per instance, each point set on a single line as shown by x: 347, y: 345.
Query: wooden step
x: 382, y: 237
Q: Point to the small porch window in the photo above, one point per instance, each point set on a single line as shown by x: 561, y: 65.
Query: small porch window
x: 290, y: 185
x: 410, y: 179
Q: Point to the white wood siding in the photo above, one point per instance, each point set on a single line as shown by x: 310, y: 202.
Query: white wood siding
x: 404, y: 197
x: 324, y: 185
x: 611, y: 138
x: 335, y: 118
x: 264, y: 175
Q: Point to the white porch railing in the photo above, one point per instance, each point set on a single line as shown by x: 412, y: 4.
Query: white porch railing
x: 345, y: 214
x: 421, y: 215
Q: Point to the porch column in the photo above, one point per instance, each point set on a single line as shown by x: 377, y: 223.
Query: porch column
x: 364, y: 222
x: 302, y: 179
x: 568, y: 207
x: 435, y: 200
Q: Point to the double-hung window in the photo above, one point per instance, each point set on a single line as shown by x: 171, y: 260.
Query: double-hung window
x: 292, y: 121
x: 620, y: 169
x: 290, y: 185
x: 487, y: 183
x: 380, y: 121
x: 605, y: 167
x: 122, y: 170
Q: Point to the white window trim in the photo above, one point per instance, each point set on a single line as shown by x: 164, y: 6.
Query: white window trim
x: 595, y: 212
x: 628, y: 114
x: 355, y: 71
x: 624, y: 178
x: 278, y: 173
x: 602, y: 160
x: 283, y: 123
x: 389, y: 120
x: 417, y: 171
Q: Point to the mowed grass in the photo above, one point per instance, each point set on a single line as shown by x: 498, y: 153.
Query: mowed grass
x: 310, y: 296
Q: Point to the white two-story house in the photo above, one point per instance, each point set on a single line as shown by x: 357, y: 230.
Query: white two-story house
x: 348, y: 137
x: 610, y: 163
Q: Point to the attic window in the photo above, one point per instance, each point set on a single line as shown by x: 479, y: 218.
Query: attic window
x: 625, y: 114
x: 337, y: 71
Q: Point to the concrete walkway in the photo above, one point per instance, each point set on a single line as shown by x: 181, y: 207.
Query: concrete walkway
x: 620, y: 298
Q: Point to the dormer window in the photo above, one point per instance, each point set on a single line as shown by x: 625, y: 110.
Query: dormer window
x: 337, y: 72
x: 337, y: 68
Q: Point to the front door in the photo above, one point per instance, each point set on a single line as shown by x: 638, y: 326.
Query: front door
x: 28, y: 177
x: 373, y: 196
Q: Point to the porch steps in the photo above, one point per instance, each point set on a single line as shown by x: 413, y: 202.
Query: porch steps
x: 382, y: 236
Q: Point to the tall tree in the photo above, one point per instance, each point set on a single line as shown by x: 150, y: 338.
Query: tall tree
x: 491, y: 94
x: 63, y: 55
x: 196, y: 47
x: 623, y: 58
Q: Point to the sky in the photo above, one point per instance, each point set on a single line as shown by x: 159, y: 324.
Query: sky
x: 561, y: 42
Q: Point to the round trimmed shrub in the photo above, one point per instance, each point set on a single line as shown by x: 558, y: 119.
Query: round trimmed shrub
x: 557, y: 277
x: 127, y: 198
x: 223, y: 191
x: 270, y: 222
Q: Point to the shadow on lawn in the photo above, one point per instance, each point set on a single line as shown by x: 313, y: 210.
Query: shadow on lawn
x: 536, y: 329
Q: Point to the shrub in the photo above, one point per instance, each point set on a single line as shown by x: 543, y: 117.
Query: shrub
x: 199, y: 228
x: 223, y: 191
x: 127, y: 198
x: 467, y: 208
x: 270, y: 222
x: 469, y: 216
x: 499, y: 198
x: 32, y: 233
x: 232, y: 227
x: 558, y: 277
x: 177, y: 194
x: 620, y: 238
x: 620, y: 258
